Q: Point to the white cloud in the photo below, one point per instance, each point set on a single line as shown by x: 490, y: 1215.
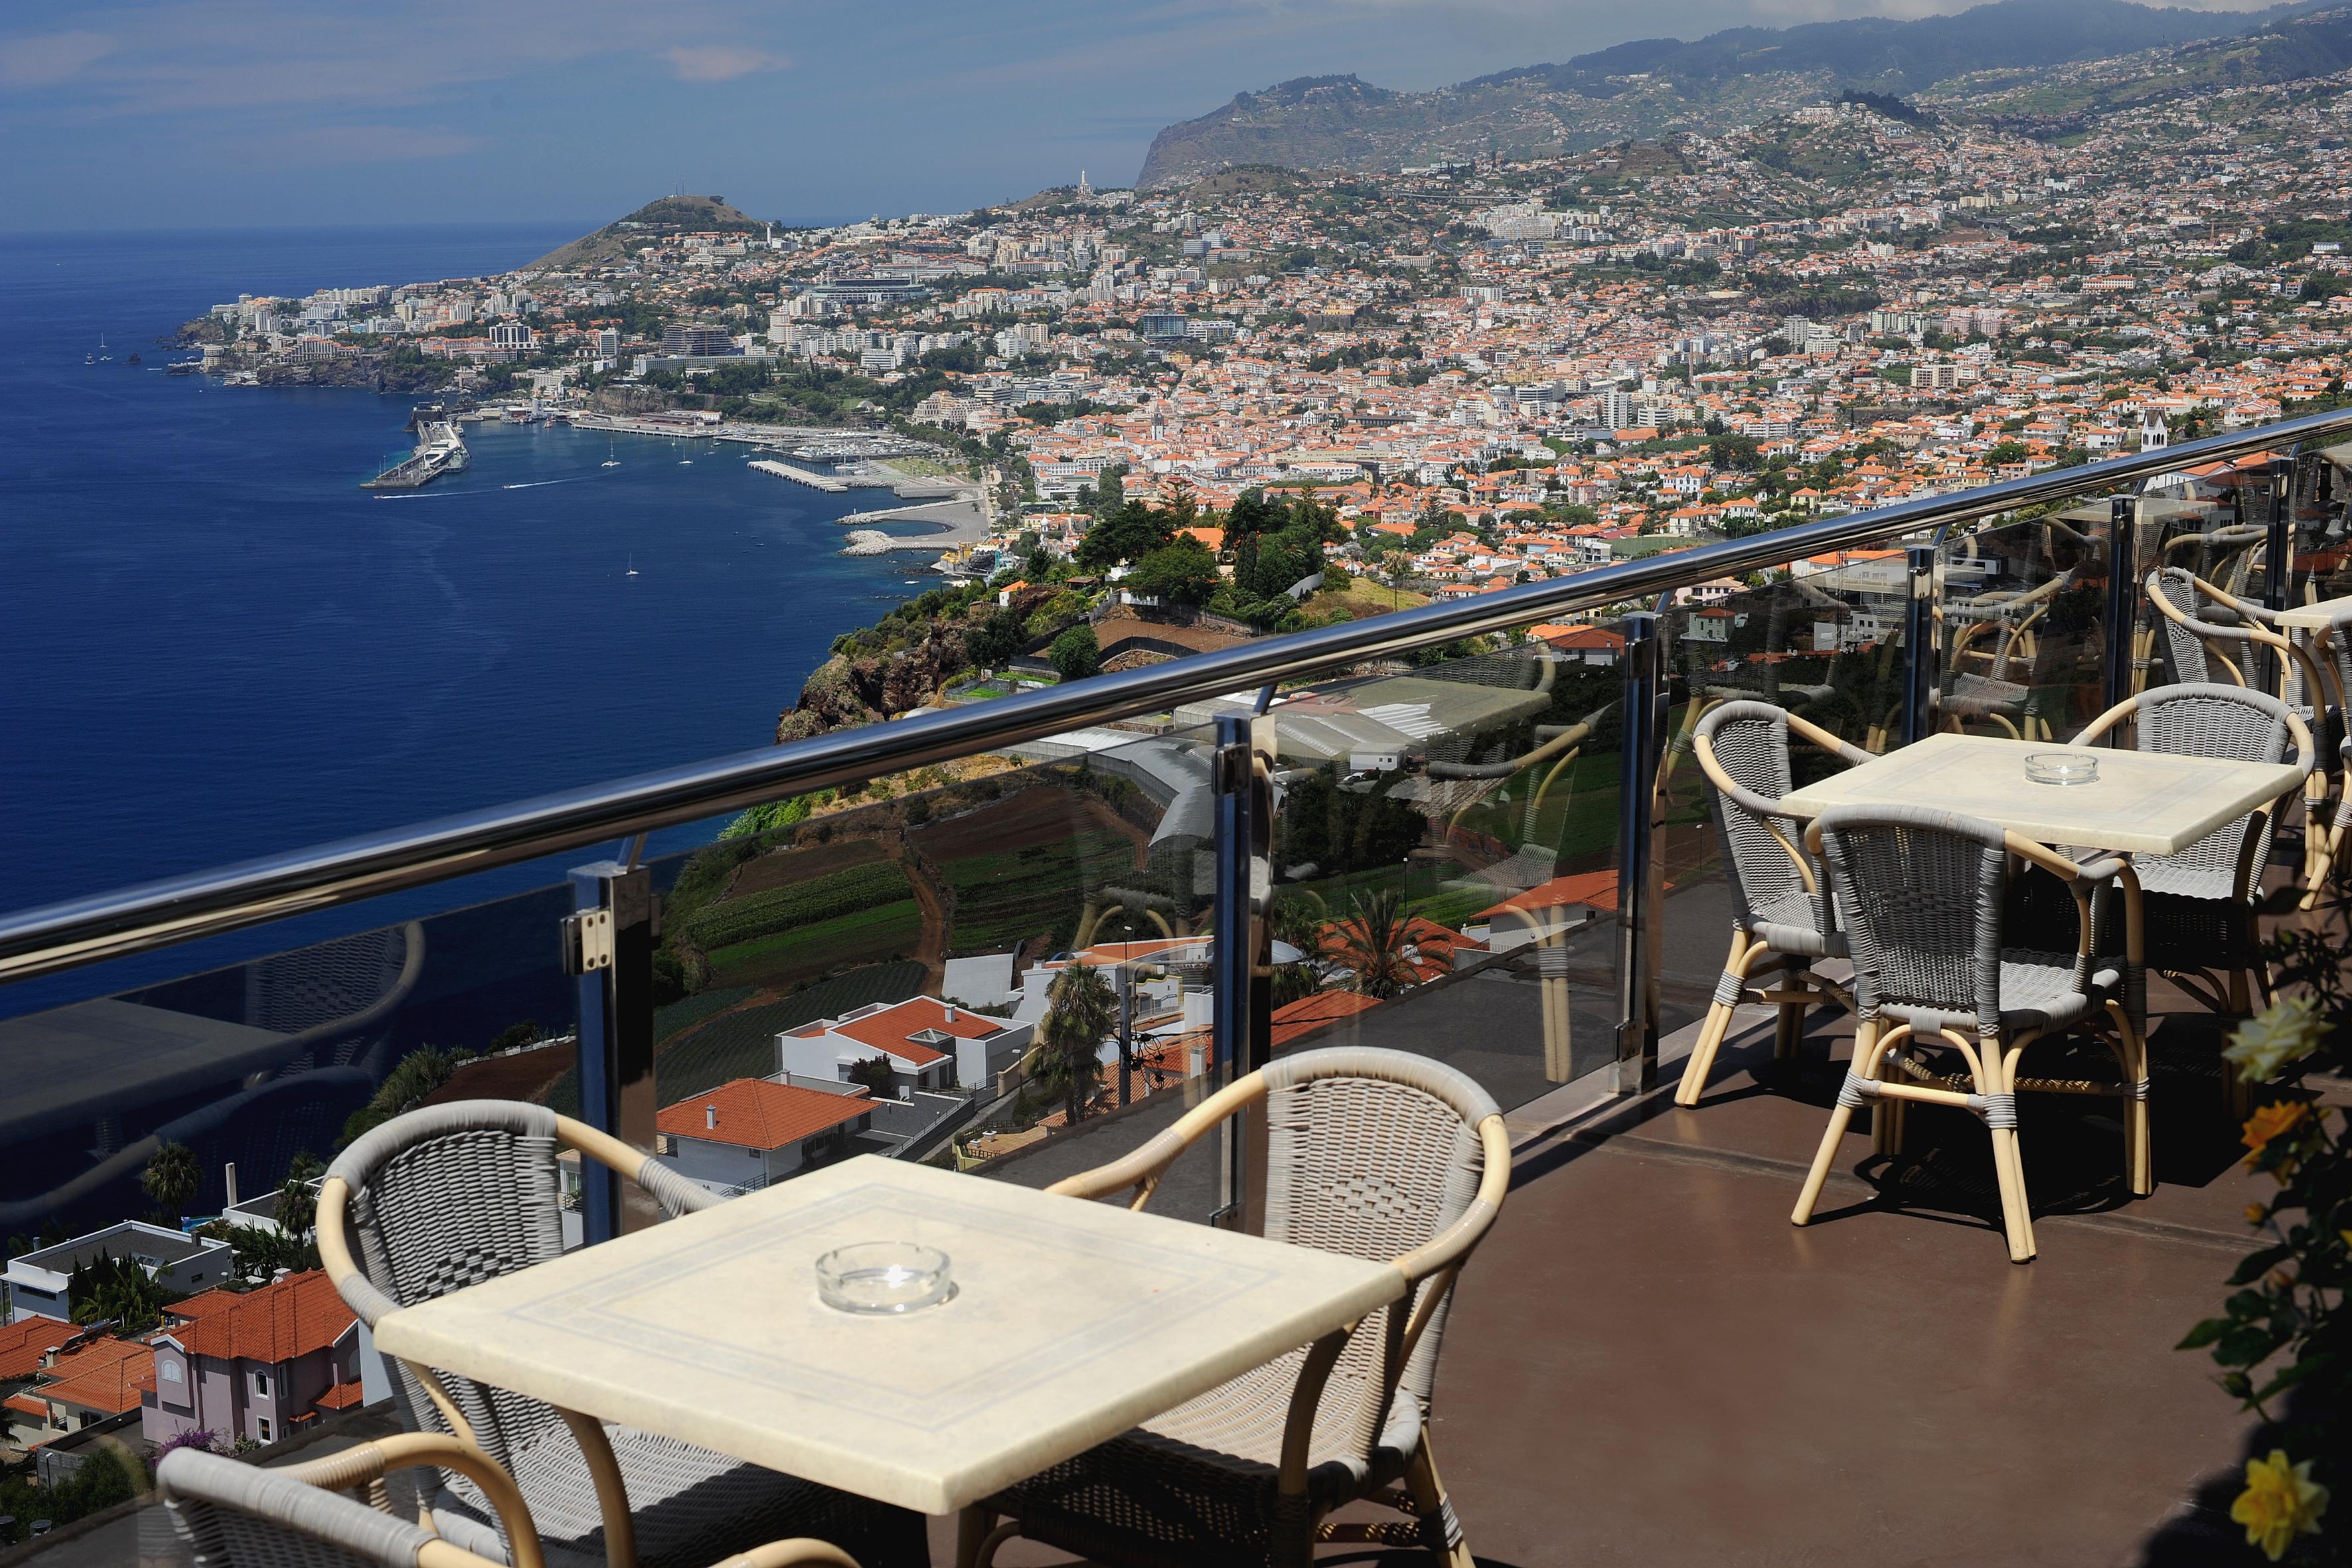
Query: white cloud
x: 721, y: 62
x: 46, y: 60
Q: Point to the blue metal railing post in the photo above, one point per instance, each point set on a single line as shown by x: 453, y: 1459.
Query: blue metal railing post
x: 1638, y: 892
x: 2278, y: 554
x: 1232, y: 778
x: 2123, y: 600
x: 608, y: 943
x: 1920, y: 644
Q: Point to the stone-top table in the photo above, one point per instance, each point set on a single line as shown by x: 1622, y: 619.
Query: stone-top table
x: 2141, y: 803
x: 1072, y: 1321
x: 2319, y: 618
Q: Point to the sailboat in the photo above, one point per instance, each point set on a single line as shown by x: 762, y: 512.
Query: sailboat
x: 102, y: 354
x: 611, y: 457
x: 633, y: 563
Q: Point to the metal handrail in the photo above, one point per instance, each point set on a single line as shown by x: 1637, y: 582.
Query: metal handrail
x: 150, y: 915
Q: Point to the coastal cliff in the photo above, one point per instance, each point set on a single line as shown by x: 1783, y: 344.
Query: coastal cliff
x: 905, y: 660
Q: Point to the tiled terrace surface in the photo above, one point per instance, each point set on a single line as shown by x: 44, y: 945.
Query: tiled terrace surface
x: 1647, y: 1365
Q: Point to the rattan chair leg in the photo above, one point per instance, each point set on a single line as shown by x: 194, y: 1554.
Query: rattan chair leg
x: 1441, y: 1529
x: 1744, y: 952
x: 1790, y: 1028
x: 977, y: 1548
x: 2008, y: 1160
x: 1865, y: 1064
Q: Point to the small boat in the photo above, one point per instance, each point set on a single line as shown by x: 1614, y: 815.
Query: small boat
x: 611, y: 457
x: 89, y: 358
x: 686, y: 462
x: 633, y: 565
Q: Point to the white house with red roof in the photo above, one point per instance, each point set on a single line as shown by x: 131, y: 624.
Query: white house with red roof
x: 259, y: 1365
x: 931, y: 1045
x: 752, y: 1131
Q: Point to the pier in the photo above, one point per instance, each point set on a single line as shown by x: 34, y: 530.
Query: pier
x: 961, y: 524
x: 814, y: 480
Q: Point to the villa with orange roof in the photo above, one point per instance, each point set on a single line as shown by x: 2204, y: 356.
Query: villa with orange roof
x: 257, y: 1365
x: 931, y: 1045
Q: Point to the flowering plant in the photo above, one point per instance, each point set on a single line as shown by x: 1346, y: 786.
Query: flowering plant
x: 2283, y: 1340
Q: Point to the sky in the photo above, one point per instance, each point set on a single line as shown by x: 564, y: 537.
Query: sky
x: 189, y: 114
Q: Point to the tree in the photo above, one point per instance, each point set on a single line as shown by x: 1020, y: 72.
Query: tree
x: 116, y: 1290
x: 2006, y: 452
x: 1181, y: 572
x: 1128, y: 533
x: 1075, y: 655
x: 879, y: 1075
x: 1373, y: 942
x: 1080, y: 1010
x: 297, y: 1203
x: 171, y: 1179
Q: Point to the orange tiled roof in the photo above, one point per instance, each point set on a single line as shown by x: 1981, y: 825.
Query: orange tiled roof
x: 754, y: 1113
x: 24, y: 1342
x: 342, y: 1397
x: 888, y: 1029
x: 285, y: 1319
x: 108, y: 1375
x: 1309, y: 1013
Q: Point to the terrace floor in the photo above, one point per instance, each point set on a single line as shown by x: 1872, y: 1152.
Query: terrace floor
x: 1647, y: 1365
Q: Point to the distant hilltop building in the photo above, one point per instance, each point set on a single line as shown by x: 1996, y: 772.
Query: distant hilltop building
x: 1085, y: 189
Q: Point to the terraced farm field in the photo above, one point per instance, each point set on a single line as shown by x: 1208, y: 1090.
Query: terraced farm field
x: 797, y: 955
x: 1024, y: 868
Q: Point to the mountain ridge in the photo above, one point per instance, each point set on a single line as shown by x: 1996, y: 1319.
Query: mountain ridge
x: 1646, y: 86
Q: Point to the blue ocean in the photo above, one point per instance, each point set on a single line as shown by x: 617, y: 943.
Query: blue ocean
x: 214, y: 645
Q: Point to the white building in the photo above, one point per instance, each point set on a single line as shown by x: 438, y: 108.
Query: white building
x: 39, y: 1282
x: 931, y: 1045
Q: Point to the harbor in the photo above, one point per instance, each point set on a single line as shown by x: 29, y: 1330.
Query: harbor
x: 439, y: 450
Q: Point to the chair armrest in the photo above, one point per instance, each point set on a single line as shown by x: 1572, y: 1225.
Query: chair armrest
x: 1142, y: 1168
x: 783, y: 1554
x: 371, y: 1462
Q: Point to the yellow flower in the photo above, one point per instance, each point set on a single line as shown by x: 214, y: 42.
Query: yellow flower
x: 2256, y: 1213
x: 2267, y: 1122
x: 2281, y: 1501
x: 2286, y: 1031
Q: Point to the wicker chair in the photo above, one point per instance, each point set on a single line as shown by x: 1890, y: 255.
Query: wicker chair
x: 2198, y: 905
x: 235, y: 1515
x: 1922, y: 891
x: 1374, y: 1153
x: 1779, y: 901
x: 2194, y: 640
x: 452, y: 1194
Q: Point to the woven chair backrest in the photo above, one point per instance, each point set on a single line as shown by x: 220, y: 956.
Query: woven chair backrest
x: 1750, y: 742
x: 235, y: 1515
x: 312, y: 985
x: 1920, y: 893
x: 450, y: 1196
x: 1371, y: 1154
x: 2229, y: 723
x: 2184, y: 650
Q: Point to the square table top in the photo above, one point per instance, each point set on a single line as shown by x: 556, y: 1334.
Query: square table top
x: 1072, y: 1322
x: 2142, y: 802
x: 2318, y: 618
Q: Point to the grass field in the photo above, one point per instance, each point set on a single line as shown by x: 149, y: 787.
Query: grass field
x: 1013, y: 895
x: 801, y: 954
x: 743, y: 1045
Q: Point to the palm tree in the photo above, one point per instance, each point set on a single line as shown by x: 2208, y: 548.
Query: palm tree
x: 1080, y: 1009
x: 1372, y: 942
x: 171, y: 1179
x: 297, y: 1205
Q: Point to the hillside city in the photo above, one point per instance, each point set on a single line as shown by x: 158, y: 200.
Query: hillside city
x: 1491, y: 372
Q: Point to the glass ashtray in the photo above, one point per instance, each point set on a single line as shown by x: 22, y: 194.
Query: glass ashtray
x: 2060, y: 768
x: 883, y: 1278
